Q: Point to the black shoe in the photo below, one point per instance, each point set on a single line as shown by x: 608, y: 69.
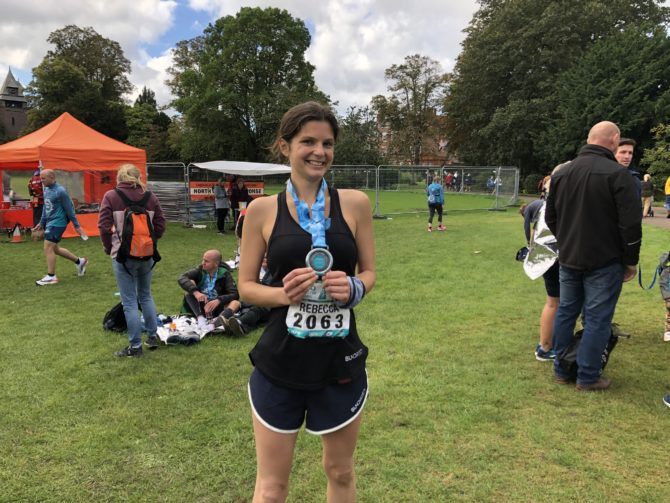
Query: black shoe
x: 152, y: 343
x: 234, y: 326
x: 220, y: 321
x: 130, y: 352
x: 173, y: 339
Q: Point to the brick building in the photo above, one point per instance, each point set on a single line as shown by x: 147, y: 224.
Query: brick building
x: 433, y: 149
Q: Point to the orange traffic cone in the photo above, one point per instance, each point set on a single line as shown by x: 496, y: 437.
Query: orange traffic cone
x: 16, y: 234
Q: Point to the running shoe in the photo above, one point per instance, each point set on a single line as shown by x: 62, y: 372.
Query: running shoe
x: 544, y: 356
x: 81, y: 266
x: 47, y: 280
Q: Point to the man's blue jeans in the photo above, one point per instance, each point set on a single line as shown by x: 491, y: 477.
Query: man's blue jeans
x: 596, y: 292
x: 135, y: 287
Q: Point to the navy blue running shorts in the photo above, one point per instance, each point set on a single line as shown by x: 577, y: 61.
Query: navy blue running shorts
x: 54, y: 234
x: 326, y: 410
x: 551, y: 282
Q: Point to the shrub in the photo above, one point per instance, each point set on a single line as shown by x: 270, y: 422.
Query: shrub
x: 531, y: 182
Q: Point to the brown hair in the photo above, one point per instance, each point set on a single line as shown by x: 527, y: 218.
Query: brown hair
x: 296, y: 117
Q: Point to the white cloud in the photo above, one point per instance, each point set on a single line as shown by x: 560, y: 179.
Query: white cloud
x: 26, y: 24
x: 353, y: 42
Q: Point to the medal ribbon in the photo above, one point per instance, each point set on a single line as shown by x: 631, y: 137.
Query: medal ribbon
x: 316, y: 223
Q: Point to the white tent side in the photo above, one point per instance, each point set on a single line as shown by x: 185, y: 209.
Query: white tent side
x: 243, y: 168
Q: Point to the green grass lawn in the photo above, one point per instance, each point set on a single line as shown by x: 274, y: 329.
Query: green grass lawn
x: 459, y: 410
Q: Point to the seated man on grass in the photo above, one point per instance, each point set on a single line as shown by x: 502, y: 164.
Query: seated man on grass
x: 249, y: 317
x: 210, y: 289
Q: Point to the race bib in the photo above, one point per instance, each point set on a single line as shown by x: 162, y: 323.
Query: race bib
x: 317, y: 315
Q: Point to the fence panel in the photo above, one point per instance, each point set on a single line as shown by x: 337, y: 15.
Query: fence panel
x: 168, y: 181
x: 391, y: 189
x: 402, y: 189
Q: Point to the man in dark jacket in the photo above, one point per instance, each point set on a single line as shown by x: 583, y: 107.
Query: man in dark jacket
x: 593, y: 210
x: 210, y: 289
x: 624, y: 156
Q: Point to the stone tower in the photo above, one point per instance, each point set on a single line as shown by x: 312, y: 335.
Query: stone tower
x: 13, y: 107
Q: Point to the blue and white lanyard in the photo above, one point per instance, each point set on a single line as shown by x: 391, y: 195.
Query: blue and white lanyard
x: 316, y: 223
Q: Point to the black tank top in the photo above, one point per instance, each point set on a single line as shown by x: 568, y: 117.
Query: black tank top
x: 314, y: 362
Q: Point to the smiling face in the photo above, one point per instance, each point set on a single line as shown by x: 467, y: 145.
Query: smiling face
x: 310, y: 152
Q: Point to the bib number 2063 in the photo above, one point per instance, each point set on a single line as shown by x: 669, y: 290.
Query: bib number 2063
x: 317, y: 316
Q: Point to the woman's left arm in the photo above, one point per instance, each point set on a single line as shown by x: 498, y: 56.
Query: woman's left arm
x: 365, y: 241
x: 335, y: 282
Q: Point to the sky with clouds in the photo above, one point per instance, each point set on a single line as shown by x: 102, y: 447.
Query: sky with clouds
x: 353, y: 41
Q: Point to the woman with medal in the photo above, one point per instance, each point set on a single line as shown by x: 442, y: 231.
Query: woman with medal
x: 309, y: 363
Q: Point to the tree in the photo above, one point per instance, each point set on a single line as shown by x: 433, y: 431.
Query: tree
x: 235, y: 81
x: 624, y: 78
x: 359, y: 138
x: 86, y: 75
x: 417, y: 89
x: 504, y: 82
x: 148, y: 127
x: 146, y: 96
x: 658, y: 157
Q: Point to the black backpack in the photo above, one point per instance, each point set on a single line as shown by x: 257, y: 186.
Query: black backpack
x: 115, y: 320
x: 568, y: 358
x: 138, y: 239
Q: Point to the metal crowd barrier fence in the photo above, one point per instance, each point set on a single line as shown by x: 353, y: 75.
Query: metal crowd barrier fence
x: 392, y: 189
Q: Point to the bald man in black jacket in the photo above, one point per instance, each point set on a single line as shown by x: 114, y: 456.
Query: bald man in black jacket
x: 592, y: 209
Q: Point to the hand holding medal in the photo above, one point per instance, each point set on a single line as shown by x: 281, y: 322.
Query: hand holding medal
x: 314, y: 313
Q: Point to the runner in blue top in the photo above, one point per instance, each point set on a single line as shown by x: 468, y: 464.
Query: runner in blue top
x: 435, y: 193
x: 58, y: 211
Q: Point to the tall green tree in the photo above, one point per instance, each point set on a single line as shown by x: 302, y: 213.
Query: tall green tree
x: 148, y: 128
x: 146, y: 96
x: 85, y: 74
x: 624, y: 78
x: 504, y: 82
x: 359, y: 138
x: 417, y: 89
x: 234, y: 82
x: 657, y: 157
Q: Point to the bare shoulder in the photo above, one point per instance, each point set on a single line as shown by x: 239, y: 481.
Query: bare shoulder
x: 262, y: 205
x: 355, y: 198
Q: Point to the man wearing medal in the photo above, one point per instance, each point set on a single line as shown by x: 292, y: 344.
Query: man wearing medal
x: 309, y: 362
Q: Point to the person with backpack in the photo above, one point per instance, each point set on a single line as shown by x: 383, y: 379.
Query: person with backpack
x: 131, y: 222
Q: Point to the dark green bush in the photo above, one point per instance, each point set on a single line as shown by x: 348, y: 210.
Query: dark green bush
x: 531, y: 182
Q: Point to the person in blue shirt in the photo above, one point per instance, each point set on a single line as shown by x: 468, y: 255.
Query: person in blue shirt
x: 58, y: 211
x: 435, y: 193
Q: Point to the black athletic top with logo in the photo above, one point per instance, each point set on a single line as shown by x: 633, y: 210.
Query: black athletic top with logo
x: 310, y: 363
